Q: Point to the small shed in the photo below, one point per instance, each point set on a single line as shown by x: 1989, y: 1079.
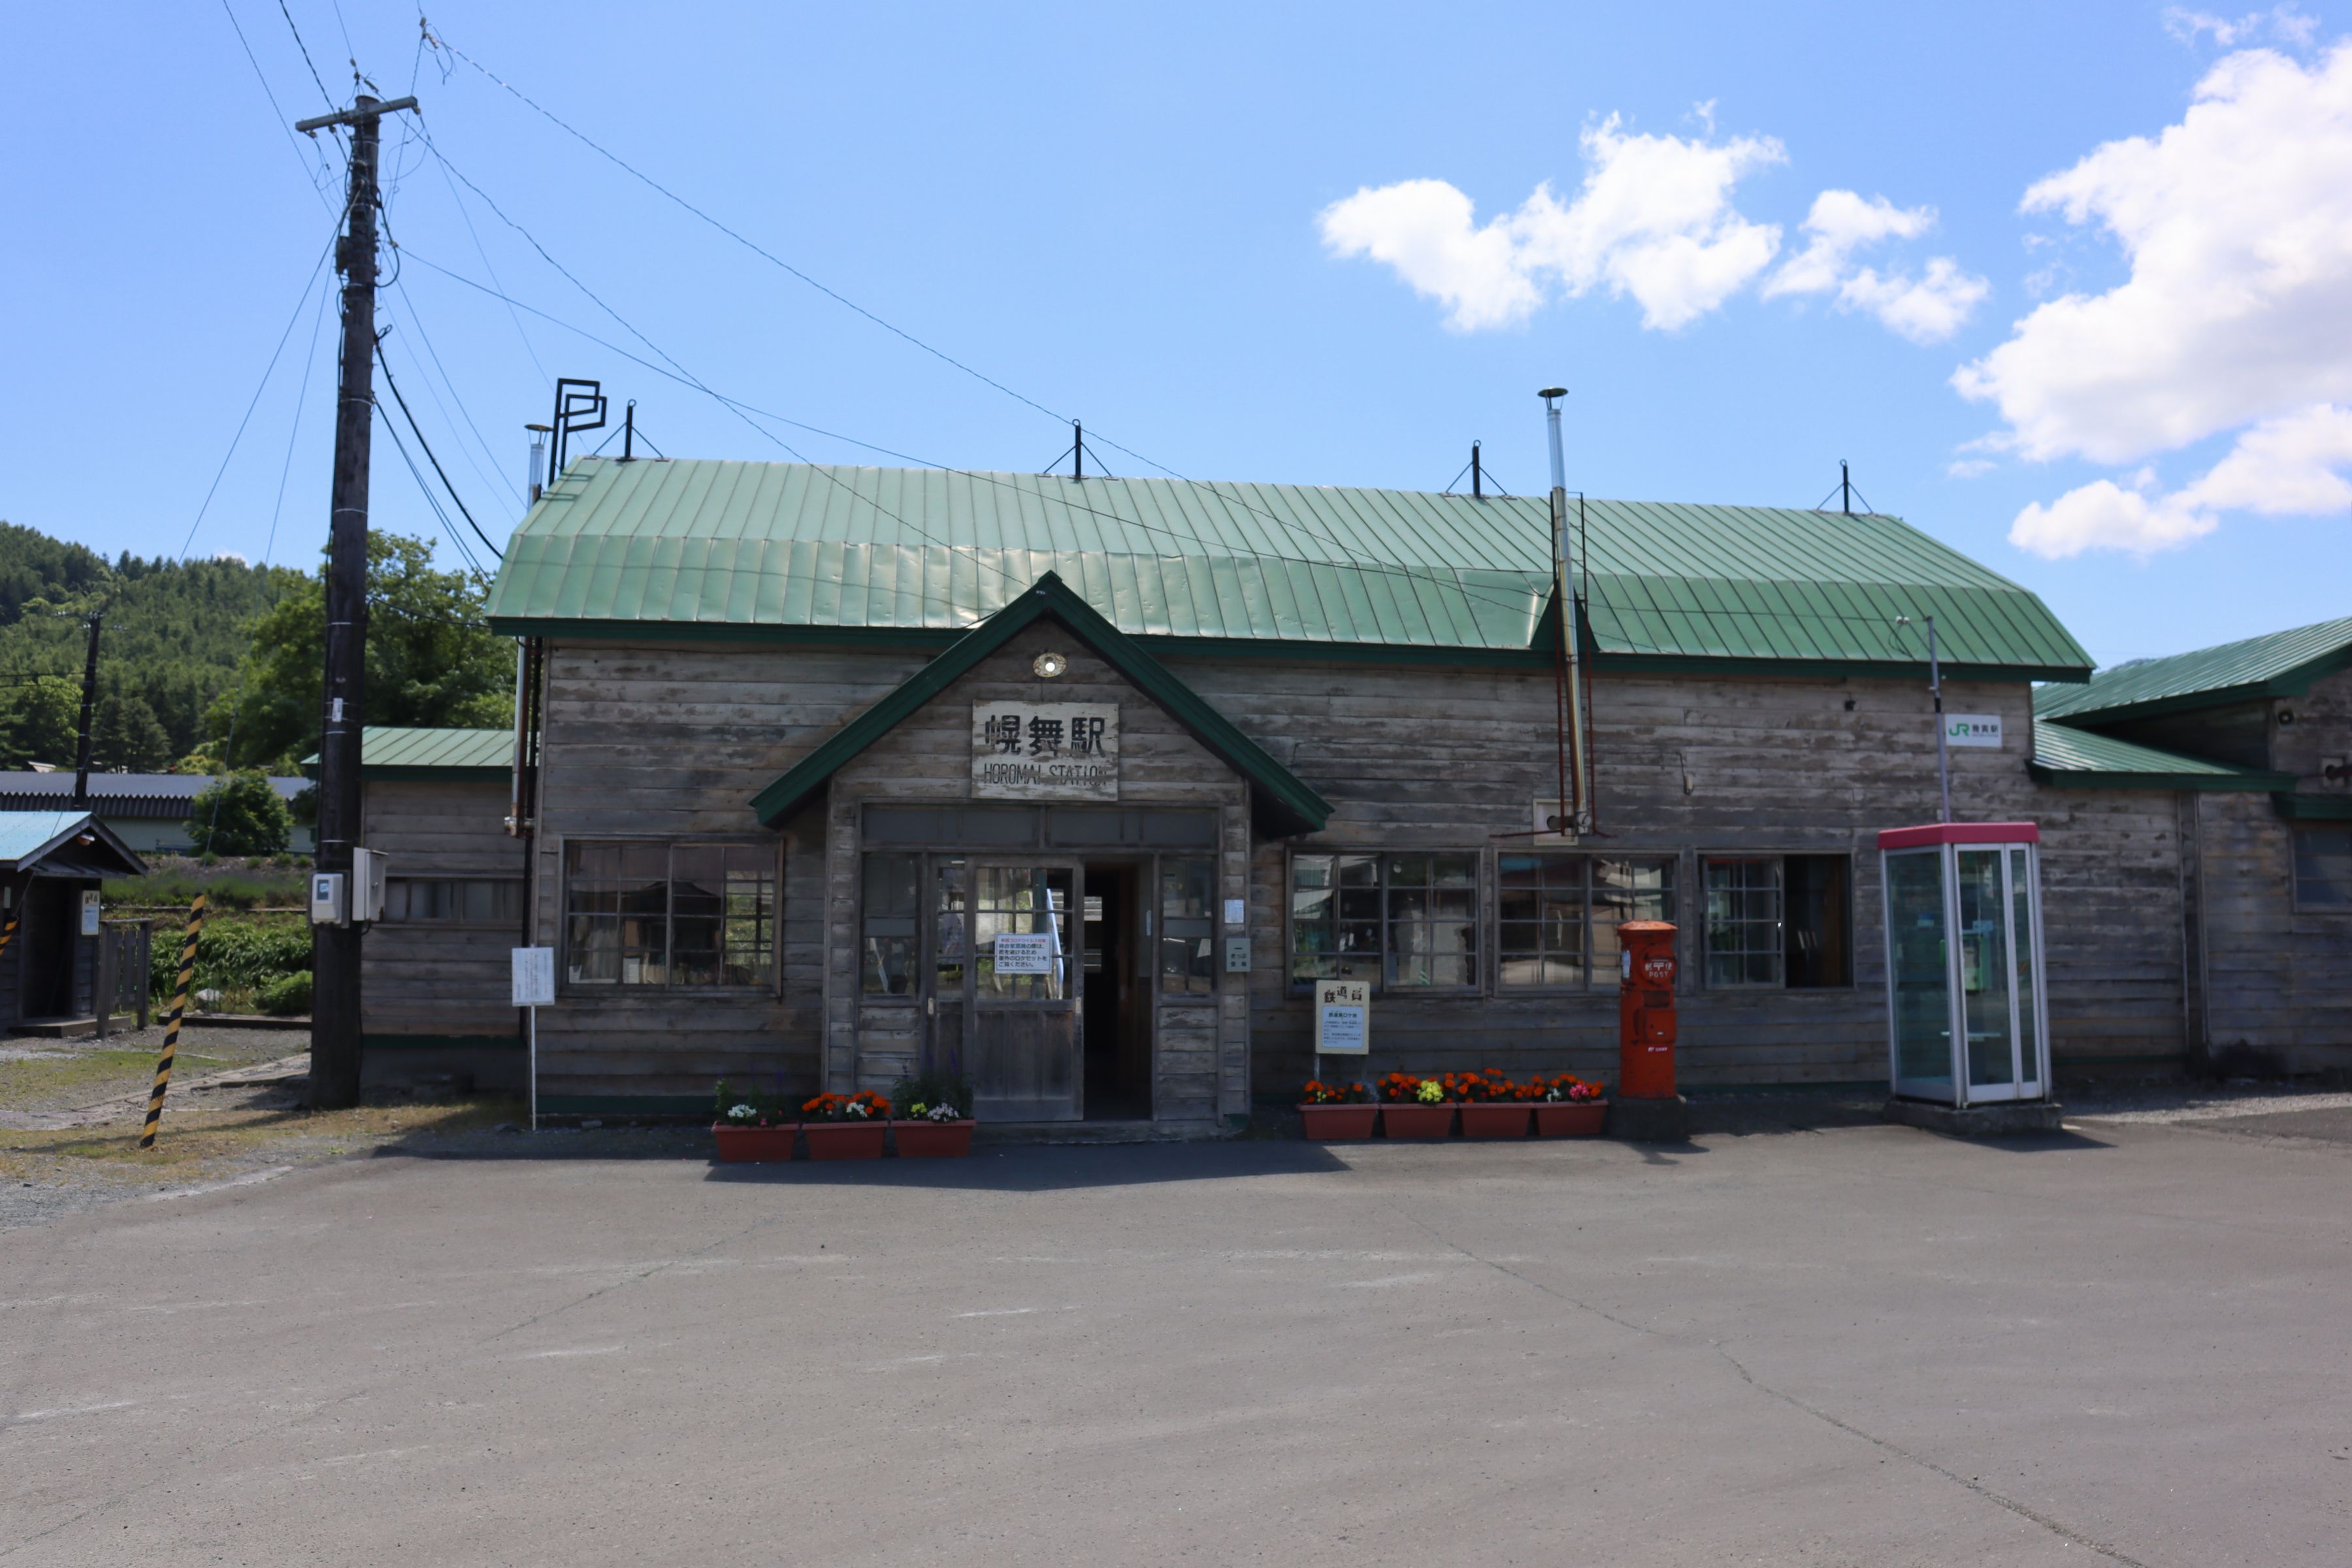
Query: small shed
x: 52, y: 863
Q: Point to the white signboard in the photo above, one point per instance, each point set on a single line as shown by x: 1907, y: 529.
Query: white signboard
x: 1044, y: 751
x: 1343, y: 1017
x: 1235, y: 912
x: 90, y: 912
x: 1025, y: 954
x: 534, y: 976
x: 1972, y: 729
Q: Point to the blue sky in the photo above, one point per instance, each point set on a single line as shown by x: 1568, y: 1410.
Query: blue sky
x: 1273, y: 243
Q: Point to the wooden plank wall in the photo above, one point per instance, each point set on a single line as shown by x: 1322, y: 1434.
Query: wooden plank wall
x: 2281, y: 978
x: 1200, y: 1066
x: 430, y: 979
x: 1442, y: 758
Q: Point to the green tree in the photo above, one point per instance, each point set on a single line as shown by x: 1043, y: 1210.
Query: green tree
x: 38, y: 720
x: 125, y: 735
x: 431, y: 658
x: 239, y: 815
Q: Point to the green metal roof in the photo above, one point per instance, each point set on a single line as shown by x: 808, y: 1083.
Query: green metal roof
x: 921, y: 555
x: 2282, y: 664
x: 2068, y: 757
x: 392, y: 751
x: 1285, y: 803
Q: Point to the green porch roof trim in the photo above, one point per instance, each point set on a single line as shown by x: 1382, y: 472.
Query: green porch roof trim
x: 652, y: 548
x: 407, y: 751
x: 2079, y: 759
x: 1289, y: 802
x: 2282, y: 664
x: 2297, y: 808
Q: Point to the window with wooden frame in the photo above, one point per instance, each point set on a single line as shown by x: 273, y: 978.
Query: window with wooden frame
x: 453, y: 901
x: 1558, y: 914
x: 1406, y: 920
x: 2322, y: 868
x: 1188, y: 925
x: 685, y: 913
x: 1778, y: 920
x: 888, y: 936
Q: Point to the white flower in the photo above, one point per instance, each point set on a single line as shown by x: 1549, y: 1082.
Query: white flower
x: 943, y: 1114
x: 855, y: 1108
x: 741, y: 1113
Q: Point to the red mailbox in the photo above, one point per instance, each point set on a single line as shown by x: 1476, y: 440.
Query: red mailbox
x: 1645, y: 1010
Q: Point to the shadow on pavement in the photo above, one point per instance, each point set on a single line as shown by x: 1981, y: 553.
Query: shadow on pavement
x: 1036, y: 1168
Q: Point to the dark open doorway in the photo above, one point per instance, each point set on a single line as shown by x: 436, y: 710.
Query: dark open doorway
x: 50, y: 907
x: 1118, y: 998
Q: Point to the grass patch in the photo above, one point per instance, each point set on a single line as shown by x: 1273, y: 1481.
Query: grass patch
x: 199, y: 1145
x: 233, y: 882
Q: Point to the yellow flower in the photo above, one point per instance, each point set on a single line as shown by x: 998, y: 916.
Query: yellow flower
x: 1433, y: 1094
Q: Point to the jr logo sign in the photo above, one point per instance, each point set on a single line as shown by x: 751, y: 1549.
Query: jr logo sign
x: 1972, y: 729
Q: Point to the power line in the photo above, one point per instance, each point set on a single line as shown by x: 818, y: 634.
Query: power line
x: 448, y: 529
x: 299, y: 44
x: 420, y: 441
x: 284, y: 123
x: 257, y: 391
x: 414, y: 319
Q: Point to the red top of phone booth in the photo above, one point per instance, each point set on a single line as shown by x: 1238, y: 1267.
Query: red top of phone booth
x: 1935, y: 833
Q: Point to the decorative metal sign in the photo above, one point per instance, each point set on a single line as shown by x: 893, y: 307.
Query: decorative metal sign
x: 1972, y: 729
x: 1044, y: 751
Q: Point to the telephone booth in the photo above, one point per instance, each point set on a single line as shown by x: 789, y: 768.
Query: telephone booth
x: 1967, y: 1020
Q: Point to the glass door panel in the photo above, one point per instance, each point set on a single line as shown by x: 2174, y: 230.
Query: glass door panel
x: 1987, y: 975
x: 1025, y: 1028
x: 1919, y: 978
x: 2029, y: 995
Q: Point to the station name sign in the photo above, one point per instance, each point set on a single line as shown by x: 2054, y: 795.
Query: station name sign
x: 1044, y: 751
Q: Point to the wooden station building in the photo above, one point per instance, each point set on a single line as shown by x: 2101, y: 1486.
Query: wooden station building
x: 802, y: 743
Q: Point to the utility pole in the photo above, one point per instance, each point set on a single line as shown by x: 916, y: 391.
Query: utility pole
x: 335, y: 948
x: 89, y: 710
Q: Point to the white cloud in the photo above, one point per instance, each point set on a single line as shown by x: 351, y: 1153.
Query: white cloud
x: 2281, y: 21
x: 2235, y: 318
x: 1654, y: 220
x: 1925, y: 309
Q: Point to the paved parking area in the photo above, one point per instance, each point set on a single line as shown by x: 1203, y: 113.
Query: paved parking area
x: 1858, y: 1344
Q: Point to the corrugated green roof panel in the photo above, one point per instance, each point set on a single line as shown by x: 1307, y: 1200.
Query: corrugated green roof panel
x: 2065, y: 756
x: 2282, y: 664
x: 386, y: 746
x: 728, y: 545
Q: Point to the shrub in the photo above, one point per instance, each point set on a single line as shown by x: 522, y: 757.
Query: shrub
x: 242, y: 955
x: 287, y: 997
x: 932, y: 1096
x: 239, y: 815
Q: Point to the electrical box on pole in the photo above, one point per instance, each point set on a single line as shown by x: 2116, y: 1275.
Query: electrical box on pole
x: 335, y: 944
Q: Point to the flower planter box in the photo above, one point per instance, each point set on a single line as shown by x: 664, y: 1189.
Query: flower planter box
x: 1334, y: 1123
x: 926, y: 1140
x: 1570, y: 1118
x: 748, y: 1146
x: 846, y: 1140
x: 1418, y: 1121
x: 1494, y: 1120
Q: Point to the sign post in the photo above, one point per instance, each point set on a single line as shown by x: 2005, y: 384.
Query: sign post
x: 534, y: 987
x: 1343, y: 1019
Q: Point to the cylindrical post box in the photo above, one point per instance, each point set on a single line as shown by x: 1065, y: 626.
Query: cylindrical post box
x: 1645, y: 1010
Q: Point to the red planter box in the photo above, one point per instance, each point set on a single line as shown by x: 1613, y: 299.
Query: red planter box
x: 1504, y: 1120
x: 846, y: 1140
x: 747, y: 1145
x: 922, y: 1140
x: 1418, y: 1121
x: 1335, y: 1123
x: 1570, y: 1118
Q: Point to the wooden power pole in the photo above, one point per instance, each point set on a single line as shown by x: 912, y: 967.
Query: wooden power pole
x: 335, y: 947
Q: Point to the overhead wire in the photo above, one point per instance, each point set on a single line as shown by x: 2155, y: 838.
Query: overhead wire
x: 322, y: 171
x: 448, y: 529
x: 416, y: 321
x: 394, y: 382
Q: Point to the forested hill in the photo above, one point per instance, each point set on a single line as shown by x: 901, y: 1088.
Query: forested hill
x: 176, y: 633
x: 170, y: 644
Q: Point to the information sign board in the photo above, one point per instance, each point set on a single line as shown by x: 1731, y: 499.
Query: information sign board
x: 534, y: 976
x: 1343, y: 1017
x: 1024, y: 954
x: 1044, y: 751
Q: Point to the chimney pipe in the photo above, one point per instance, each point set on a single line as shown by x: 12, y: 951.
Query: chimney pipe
x: 1477, y: 479
x: 1576, y: 791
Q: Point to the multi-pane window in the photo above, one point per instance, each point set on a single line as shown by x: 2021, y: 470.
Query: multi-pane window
x: 1405, y: 920
x: 1022, y: 900
x: 1744, y: 922
x: 1560, y: 913
x: 887, y: 946
x: 687, y: 914
x: 2323, y: 868
x: 454, y: 900
x: 1188, y: 925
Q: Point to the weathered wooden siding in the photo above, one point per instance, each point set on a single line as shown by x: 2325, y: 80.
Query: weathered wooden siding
x: 1443, y: 758
x: 420, y: 982
x: 2280, y: 979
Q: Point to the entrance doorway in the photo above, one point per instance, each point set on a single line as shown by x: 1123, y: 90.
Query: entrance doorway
x: 50, y: 906
x: 1118, y: 994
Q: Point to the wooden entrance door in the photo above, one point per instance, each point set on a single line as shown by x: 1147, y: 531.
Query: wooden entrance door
x: 1024, y: 1029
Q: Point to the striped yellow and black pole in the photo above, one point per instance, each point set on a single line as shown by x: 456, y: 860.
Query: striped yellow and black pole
x: 8, y: 931
x: 171, y: 1028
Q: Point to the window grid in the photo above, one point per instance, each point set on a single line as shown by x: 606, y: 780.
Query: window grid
x: 1405, y: 921
x: 1744, y: 922
x: 1558, y: 914
x: 687, y: 914
x: 1188, y: 926
x: 455, y: 900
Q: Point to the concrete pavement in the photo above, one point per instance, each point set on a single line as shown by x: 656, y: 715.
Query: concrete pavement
x: 1864, y: 1346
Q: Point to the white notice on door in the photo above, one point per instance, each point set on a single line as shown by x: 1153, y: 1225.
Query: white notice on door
x: 1025, y: 954
x: 1972, y: 729
x: 1343, y: 1017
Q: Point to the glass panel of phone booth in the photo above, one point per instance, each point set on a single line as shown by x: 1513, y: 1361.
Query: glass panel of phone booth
x: 1025, y: 1028
x: 1919, y: 984
x: 2028, y: 994
x: 1987, y: 974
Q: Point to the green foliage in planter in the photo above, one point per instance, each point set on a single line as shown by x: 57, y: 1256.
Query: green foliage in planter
x: 929, y: 1090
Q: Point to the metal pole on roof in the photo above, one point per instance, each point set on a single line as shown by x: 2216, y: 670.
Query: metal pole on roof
x: 1578, y: 805
x: 1936, y: 688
